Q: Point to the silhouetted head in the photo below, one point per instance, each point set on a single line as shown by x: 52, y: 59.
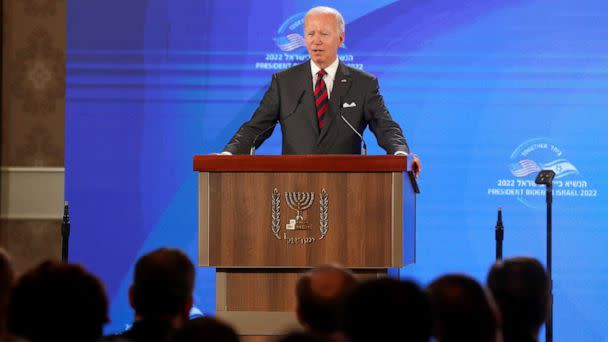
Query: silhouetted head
x: 162, y: 286
x: 519, y: 286
x: 57, y: 301
x: 7, y: 278
x: 381, y: 309
x: 462, y: 310
x: 304, y: 336
x: 320, y: 294
x: 205, y: 329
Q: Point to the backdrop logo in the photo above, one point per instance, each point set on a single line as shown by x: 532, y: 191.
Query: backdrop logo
x: 291, y: 44
x: 524, y: 164
x: 289, y: 37
x: 537, y: 154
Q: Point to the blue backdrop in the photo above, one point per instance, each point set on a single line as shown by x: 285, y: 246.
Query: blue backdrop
x: 487, y: 91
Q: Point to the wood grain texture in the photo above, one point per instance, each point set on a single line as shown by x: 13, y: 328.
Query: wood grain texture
x: 261, y: 291
x: 260, y: 323
x: 267, y: 290
x: 360, y: 220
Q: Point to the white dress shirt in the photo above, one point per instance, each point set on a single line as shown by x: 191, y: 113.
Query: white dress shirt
x: 329, y: 78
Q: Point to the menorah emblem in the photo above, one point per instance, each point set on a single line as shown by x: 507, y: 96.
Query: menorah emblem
x: 299, y: 201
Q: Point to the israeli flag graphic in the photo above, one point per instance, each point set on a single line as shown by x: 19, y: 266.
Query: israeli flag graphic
x: 524, y: 167
x: 561, y: 167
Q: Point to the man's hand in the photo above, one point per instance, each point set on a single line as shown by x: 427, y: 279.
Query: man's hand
x: 416, y: 166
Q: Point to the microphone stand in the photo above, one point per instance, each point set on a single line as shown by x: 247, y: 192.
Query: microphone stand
x: 65, y: 232
x: 546, y: 177
x: 549, y: 324
x: 499, y: 234
x: 255, y: 139
x: 364, y: 151
x: 271, y: 128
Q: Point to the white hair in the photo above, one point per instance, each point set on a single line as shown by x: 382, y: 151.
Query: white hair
x: 328, y: 10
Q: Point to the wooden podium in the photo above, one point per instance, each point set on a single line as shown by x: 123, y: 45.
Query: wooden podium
x: 263, y: 220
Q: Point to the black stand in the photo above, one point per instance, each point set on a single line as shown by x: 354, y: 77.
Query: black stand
x: 65, y: 232
x: 499, y: 234
x: 546, y: 177
x: 549, y: 323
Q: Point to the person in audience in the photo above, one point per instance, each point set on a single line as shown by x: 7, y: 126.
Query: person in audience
x: 319, y: 295
x: 462, y: 310
x: 7, y: 277
x: 58, y: 301
x: 383, y: 309
x: 205, y: 329
x: 519, y: 286
x: 161, y: 295
x: 303, y: 336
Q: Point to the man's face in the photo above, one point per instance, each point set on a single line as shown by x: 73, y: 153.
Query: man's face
x: 322, y: 38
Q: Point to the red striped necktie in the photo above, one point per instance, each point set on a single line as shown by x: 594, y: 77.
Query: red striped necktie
x: 321, y: 97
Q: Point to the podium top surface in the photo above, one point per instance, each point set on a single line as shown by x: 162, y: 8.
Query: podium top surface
x: 300, y: 163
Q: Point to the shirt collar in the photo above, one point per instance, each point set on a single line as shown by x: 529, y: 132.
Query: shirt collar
x: 331, y: 69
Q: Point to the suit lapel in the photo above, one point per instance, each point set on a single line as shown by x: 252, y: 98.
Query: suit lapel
x: 308, y: 100
x: 342, y: 83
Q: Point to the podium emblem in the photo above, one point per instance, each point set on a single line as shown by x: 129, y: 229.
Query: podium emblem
x: 299, y: 230
x: 299, y: 201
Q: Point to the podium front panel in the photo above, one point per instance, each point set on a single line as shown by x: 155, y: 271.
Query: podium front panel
x: 300, y: 219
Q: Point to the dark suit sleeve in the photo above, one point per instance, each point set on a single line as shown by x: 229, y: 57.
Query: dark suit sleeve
x: 263, y: 118
x: 387, y: 131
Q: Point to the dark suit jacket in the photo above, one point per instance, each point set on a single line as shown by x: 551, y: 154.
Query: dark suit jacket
x: 290, y: 101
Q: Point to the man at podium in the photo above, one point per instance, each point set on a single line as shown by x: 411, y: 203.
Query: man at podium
x: 323, y: 105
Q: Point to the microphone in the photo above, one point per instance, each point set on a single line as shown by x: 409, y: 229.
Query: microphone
x: 255, y: 139
x: 354, y: 130
x: 252, y: 149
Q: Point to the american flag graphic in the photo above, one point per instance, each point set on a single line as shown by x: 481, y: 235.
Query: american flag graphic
x: 524, y: 167
x: 291, y: 42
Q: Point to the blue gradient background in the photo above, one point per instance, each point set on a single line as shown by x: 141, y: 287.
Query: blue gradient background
x: 152, y: 83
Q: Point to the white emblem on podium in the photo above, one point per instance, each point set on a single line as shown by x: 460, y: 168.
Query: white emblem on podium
x: 300, y: 202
